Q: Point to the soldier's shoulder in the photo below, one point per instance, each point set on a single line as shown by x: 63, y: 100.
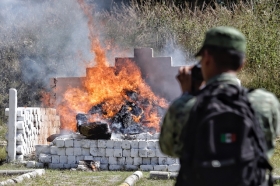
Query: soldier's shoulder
x: 262, y: 95
x: 183, y: 101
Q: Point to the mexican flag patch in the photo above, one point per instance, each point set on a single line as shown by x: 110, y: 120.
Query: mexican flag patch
x: 228, y: 138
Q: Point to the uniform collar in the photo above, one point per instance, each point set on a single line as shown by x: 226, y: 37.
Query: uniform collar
x: 224, y: 78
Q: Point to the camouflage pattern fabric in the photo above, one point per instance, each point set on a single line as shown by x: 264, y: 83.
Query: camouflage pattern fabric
x: 265, y: 104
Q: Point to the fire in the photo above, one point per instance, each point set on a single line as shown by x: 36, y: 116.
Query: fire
x: 108, y: 86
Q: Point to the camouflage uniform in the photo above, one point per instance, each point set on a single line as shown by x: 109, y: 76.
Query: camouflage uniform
x: 265, y: 104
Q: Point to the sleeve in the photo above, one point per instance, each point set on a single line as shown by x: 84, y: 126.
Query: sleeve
x: 173, y: 122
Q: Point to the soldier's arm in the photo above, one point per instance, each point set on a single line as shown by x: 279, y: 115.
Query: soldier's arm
x: 174, y: 120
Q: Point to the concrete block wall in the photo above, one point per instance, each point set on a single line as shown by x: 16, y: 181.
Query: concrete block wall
x: 139, y: 154
x: 33, y: 126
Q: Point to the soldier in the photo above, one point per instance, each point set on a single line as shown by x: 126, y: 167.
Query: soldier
x: 222, y: 56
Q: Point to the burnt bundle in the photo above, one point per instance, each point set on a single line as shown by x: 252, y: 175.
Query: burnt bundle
x: 95, y: 130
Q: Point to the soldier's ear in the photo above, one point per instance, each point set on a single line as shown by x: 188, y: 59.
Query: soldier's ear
x: 242, y: 64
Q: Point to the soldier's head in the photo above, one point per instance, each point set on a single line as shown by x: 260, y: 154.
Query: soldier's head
x: 223, y: 50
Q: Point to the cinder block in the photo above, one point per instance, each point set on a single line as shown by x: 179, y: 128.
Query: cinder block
x: 143, y: 144
x: 131, y: 167
x: 116, y: 167
x: 45, y: 149
x: 156, y: 136
x: 154, y: 161
x: 149, y: 136
x: 126, y: 153
x: 134, y: 144
x: 121, y: 161
x: 96, y: 159
x: 88, y: 158
x: 30, y: 164
x: 109, y: 152
x: 66, y: 166
x: 85, y: 144
x: 128, y: 161
x: 69, y: 151
x: 117, y: 144
x: 93, y: 151
x: 160, y: 167
x: 45, y: 158
x: 63, y: 159
x: 79, y: 158
x: 151, y: 153
x: 143, y: 153
x: 77, y: 151
x: 71, y: 159
x: 73, y: 165
x: 53, y: 150
x: 177, y: 161
x: 134, y: 153
x: 59, y: 142
x: 174, y: 168
x: 104, y: 160
x: 117, y: 152
x: 146, y: 161
x: 85, y: 152
x: 171, y: 161
x: 137, y: 161
x: 69, y: 143
x: 157, y: 145
x: 101, y: 143
x: 78, y: 143
x: 162, y: 161
x: 39, y: 165
x: 151, y: 144
x: 110, y: 144
x: 126, y: 144
x: 61, y: 151
x: 93, y: 143
x: 55, y: 159
x: 146, y: 167
x: 104, y: 166
x: 160, y: 154
x: 142, y: 136
x: 113, y: 161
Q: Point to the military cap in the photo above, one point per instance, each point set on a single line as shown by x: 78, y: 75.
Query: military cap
x: 224, y: 37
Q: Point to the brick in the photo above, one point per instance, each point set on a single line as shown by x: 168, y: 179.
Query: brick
x: 66, y: 166
x: 143, y: 144
x: 61, y: 151
x: 78, y: 143
x: 126, y: 144
x: 149, y: 136
x: 157, y: 145
x: 85, y: 152
x: 129, y: 161
x: 53, y: 150
x: 143, y: 153
x: 151, y: 153
x: 151, y: 144
x: 104, y: 160
x: 88, y: 158
x: 154, y: 161
x: 101, y: 152
x: 85, y: 144
x: 162, y: 161
x: 174, y: 168
x: 117, y: 152
x: 39, y: 165
x: 171, y: 161
x: 126, y: 153
x: 137, y: 161
x: 104, y: 167
x: 97, y: 159
x: 134, y: 144
x: 69, y: 151
x: 160, y: 154
x: 45, y: 158
x: 59, y: 142
x: 117, y: 144
x: 142, y: 136
x: 73, y: 165
x: 109, y: 152
x: 160, y: 167
x: 71, y: 159
x: 93, y: 151
x: 69, y: 143
x: 101, y: 143
x: 134, y: 153
x: 116, y: 167
x: 121, y: 161
x: 55, y: 166
x: 79, y: 158
x: 113, y: 161
x: 30, y: 164
x: 55, y: 159
x: 156, y: 135
x: 146, y: 167
x: 45, y: 149
x: 77, y: 151
x: 110, y: 144
x: 146, y: 161
x: 131, y: 167
x: 63, y: 159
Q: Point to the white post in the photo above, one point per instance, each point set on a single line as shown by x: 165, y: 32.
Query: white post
x: 12, y: 125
